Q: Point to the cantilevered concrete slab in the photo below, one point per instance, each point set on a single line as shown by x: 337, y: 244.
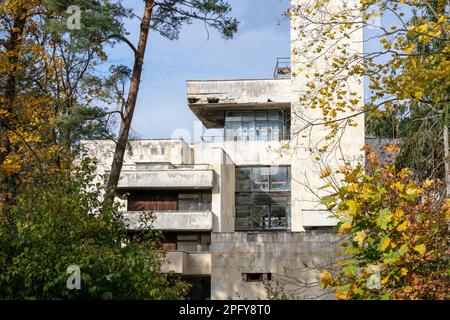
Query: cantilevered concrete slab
x: 208, y: 100
x: 166, y: 179
x: 173, y: 220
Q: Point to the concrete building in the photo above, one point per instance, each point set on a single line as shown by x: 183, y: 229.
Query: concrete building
x: 239, y: 211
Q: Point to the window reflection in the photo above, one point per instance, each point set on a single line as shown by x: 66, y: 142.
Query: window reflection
x: 257, y: 125
x: 262, y: 198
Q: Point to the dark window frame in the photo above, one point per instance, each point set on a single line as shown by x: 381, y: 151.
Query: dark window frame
x: 246, y: 200
x: 272, y: 128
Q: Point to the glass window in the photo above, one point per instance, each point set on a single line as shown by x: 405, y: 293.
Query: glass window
x: 260, y: 178
x: 233, y: 116
x: 188, y: 201
x: 206, y: 243
x: 279, y: 178
x: 279, y: 216
x: 280, y: 197
x: 243, y: 214
x: 187, y: 243
x: 243, y: 179
x: 233, y: 131
x: 260, y: 217
x: 256, y: 125
x: 264, y: 203
x: 206, y: 201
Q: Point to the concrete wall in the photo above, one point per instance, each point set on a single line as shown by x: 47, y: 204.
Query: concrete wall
x: 305, y: 169
x: 245, y: 152
x: 174, y: 220
x: 171, y: 151
x: 167, y: 179
x: 289, y: 256
x: 187, y: 263
x: 209, y: 99
x: 240, y: 91
x: 223, y: 190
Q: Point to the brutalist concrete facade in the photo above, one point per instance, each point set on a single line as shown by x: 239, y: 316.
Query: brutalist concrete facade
x: 292, y: 259
x: 241, y: 264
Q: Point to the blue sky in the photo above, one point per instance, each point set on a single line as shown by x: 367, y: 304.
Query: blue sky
x: 162, y: 109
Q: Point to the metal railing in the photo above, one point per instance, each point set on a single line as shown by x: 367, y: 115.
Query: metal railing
x: 282, y: 68
x: 245, y: 138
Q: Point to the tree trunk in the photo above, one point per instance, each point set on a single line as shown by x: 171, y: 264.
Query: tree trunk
x: 446, y: 159
x: 130, y: 105
x: 13, y: 47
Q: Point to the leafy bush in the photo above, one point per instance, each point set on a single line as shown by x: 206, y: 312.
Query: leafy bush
x: 56, y: 223
x: 395, y: 237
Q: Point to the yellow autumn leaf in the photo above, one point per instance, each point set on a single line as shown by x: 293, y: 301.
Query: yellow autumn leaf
x: 384, y: 243
x: 326, y: 279
x: 360, y: 237
x: 403, y: 271
x: 392, y: 148
x: 420, y: 248
x: 352, y: 207
x: 325, y: 172
x: 403, y: 226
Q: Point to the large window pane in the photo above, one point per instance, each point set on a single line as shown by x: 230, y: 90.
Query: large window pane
x: 233, y: 131
x: 266, y: 204
x: 261, y: 131
x: 260, y: 217
x: 256, y: 125
x: 279, y: 179
x: 279, y: 217
x: 243, y: 179
x: 243, y: 217
x: 187, y: 243
x: 260, y: 177
x: 206, y: 201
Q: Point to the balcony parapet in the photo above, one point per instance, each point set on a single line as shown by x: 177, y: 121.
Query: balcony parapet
x: 187, y: 263
x: 173, y: 220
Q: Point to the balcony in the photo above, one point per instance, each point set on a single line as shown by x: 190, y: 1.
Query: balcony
x: 209, y: 99
x: 173, y: 220
x: 318, y: 218
x: 179, y: 177
x: 187, y: 263
x: 282, y: 68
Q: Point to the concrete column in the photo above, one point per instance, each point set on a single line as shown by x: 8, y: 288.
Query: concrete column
x: 305, y: 169
x: 223, y: 191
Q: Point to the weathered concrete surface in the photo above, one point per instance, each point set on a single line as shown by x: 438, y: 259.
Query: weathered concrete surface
x: 289, y: 256
x: 187, y: 263
x: 208, y: 99
x: 166, y: 179
x: 164, y: 151
x: 346, y: 148
x: 244, y: 153
x: 313, y: 218
x: 174, y: 220
x: 223, y: 191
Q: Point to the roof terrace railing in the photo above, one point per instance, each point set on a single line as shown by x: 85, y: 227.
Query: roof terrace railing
x: 282, y: 68
x: 240, y: 138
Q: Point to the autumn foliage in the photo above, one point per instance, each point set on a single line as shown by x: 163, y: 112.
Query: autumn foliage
x: 396, y: 236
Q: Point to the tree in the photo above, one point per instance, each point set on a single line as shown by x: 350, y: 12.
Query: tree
x: 52, y: 227
x: 407, y: 72
x: 48, y: 85
x: 166, y: 17
x: 395, y: 236
x: 393, y: 220
x: 50, y: 98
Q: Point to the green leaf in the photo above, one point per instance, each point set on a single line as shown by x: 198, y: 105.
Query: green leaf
x: 403, y: 249
x: 384, y: 217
